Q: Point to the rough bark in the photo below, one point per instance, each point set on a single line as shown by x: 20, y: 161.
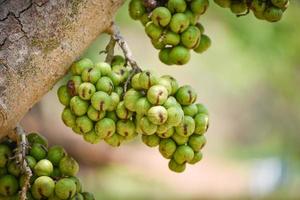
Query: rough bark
x: 39, y: 39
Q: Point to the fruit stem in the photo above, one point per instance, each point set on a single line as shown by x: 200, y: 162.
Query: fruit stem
x: 109, y: 50
x: 21, y: 159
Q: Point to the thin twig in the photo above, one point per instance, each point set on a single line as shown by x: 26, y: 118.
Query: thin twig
x: 109, y: 50
x: 21, y: 159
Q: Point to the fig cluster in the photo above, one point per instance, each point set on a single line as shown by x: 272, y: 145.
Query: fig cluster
x: 269, y: 10
x: 157, y: 108
x: 172, y: 27
x: 53, y: 172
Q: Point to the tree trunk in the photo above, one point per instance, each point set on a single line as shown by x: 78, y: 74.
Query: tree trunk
x: 39, y: 39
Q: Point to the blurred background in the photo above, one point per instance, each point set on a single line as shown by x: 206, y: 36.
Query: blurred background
x: 250, y: 81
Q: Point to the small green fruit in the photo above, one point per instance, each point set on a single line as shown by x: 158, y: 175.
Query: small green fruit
x: 200, y: 27
x: 13, y: 168
x: 151, y: 140
x: 115, y: 100
x: 115, y: 140
x: 176, y: 6
x: 63, y: 95
x: 186, y: 95
x: 78, y: 66
x: 43, y: 168
x: 101, y: 101
x: 106, y: 127
x: 135, y: 84
x: 78, y: 183
x: 199, y: 6
x: 201, y: 123
x: 238, y: 7
x: 197, y: 142
x: 167, y: 133
x: 166, y: 83
x: 130, y: 99
x: 157, y: 95
x: 146, y: 126
x: 192, y: 17
x: 190, y: 110
x: 116, y: 78
x: 8, y: 185
x: 86, y: 91
x: 145, y: 19
x: 38, y: 151
x: 125, y: 128
x: 161, y: 16
x: 84, y: 124
x: 223, y: 3
x: 92, y: 137
x: 279, y: 3
x: 273, y: 14
x: 190, y: 37
x: 56, y: 173
x: 202, y: 109
x: 204, y: 44
x: 147, y: 79
x: 153, y: 31
x: 78, y: 106
x: 88, y: 196
x: 197, y: 157
x: 94, y: 114
x: 68, y: 117
x: 186, y: 127
x: 258, y: 6
x: 112, y: 115
x: 73, y: 85
x: 180, y: 140
x: 173, y: 82
x: 142, y: 106
x: 136, y: 9
x: 175, y: 167
x: 104, y: 68
x: 55, y: 154
x: 118, y: 60
x: 31, y: 161
x: 105, y: 84
x: 68, y: 166
x: 175, y: 116
x: 91, y: 75
x: 122, y: 112
x: 164, y: 56
x: 5, y: 154
x: 162, y: 128
x: 179, y: 23
x: 78, y: 196
x: 42, y: 187
x: 65, y: 188
x: 167, y: 147
x: 179, y: 55
x: 183, y: 154
x: 37, y: 138
x: 158, y: 44
x: 157, y: 115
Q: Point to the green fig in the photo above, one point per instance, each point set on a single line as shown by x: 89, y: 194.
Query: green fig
x: 55, y: 154
x: 78, y: 183
x: 106, y: 127
x: 73, y: 85
x: 68, y: 166
x: 84, y: 124
x: 5, y: 154
x: 125, y: 128
x: 158, y: 44
x: 142, y: 106
x: 115, y: 100
x: 88, y: 196
x: 183, y: 154
x: 94, y: 114
x: 116, y: 78
x: 201, y: 123
x: 238, y: 7
x: 136, y: 9
x: 8, y: 185
x: 176, y: 6
x: 161, y: 16
x: 130, y: 99
x: 167, y: 147
x: 101, y: 101
x: 112, y: 115
x: 151, y: 140
x: 31, y: 162
x: 92, y: 137
x: 166, y: 134
x: 175, y: 116
x: 135, y: 84
x: 157, y: 95
x: 197, y: 142
x: 77, y: 130
x: 190, y: 110
x: 200, y: 27
x: 186, y: 127
x: 38, y: 151
x: 145, y: 19
x: 162, y: 128
x: 86, y: 91
x: 202, y: 109
x: 179, y: 55
x: 13, y: 168
x: 78, y: 196
x: 65, y: 188
x: 115, y: 140
x: 171, y: 102
x: 105, y: 84
x: 78, y: 66
x: 166, y: 83
x: 55, y: 173
x: 279, y: 3
x: 258, y: 6
x: 68, y: 117
x: 147, y: 79
x: 78, y: 106
x: 157, y: 115
x: 186, y: 95
x: 118, y: 60
x: 192, y: 17
x: 122, y: 112
x: 179, y: 23
x: 171, y: 38
x: 180, y: 140
x: 190, y: 37
x: 204, y: 44
x: 37, y: 138
x: 173, y: 82
x: 175, y: 167
x: 91, y: 75
x: 63, y: 95
x: 146, y: 126
x: 104, y: 68
x: 153, y: 31
x: 43, y: 168
x: 273, y: 14
x: 42, y: 187
x: 223, y: 3
x: 199, y: 6
x: 197, y: 157
x: 164, y: 56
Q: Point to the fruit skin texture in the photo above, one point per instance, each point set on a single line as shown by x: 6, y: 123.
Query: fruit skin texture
x: 115, y: 140
x: 65, y: 188
x: 8, y: 185
x: 273, y: 14
x: 105, y: 128
x: 223, y: 3
x: 199, y: 6
x: 68, y: 117
x: 105, y: 84
x: 190, y: 110
x: 125, y: 128
x: 42, y: 187
x: 201, y: 123
x: 190, y: 37
x: 86, y: 91
x: 157, y: 95
x: 43, y: 168
x: 164, y: 56
x: 180, y: 140
x: 136, y: 9
x: 186, y: 127
x: 5, y: 153
x: 63, y: 95
x: 175, y: 116
x: 78, y: 106
x: 78, y: 67
x: 183, y: 154
x: 158, y: 115
x: 205, y: 43
x: 186, y: 95
x: 55, y: 154
x: 104, y: 68
x: 84, y: 124
x: 153, y: 31
x: 167, y: 147
x: 161, y: 16
x: 101, y: 101
x: 176, y: 6
x: 91, y: 75
x: 142, y: 106
x: 88, y: 196
x: 130, y: 99
x: 68, y: 166
x: 37, y: 138
x: 179, y: 55
x: 179, y: 23
x: 151, y: 140
x: 197, y: 157
x: 146, y: 126
x: 92, y: 137
x: 147, y: 79
x: 197, y: 142
x: 175, y: 167
x: 37, y: 151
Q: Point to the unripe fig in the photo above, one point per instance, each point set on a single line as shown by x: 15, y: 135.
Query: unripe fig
x: 273, y: 14
x: 8, y: 185
x: 153, y: 31
x: 279, y: 3
x: 258, y: 6
x: 157, y: 115
x: 190, y: 37
x: 183, y: 154
x: 68, y: 117
x: 38, y: 151
x: 175, y: 167
x: 112, y: 115
x: 200, y: 27
x: 101, y: 101
x: 86, y: 91
x: 176, y: 6
x: 78, y: 196
x: 65, y: 188
x: 63, y: 95
x: 197, y: 142
x: 137, y: 124
x: 55, y: 173
x: 190, y: 110
x: 204, y: 44
x: 130, y: 99
x: 119, y: 90
x: 116, y: 78
x: 37, y: 138
x: 105, y: 84
x: 136, y: 9
x: 77, y: 130
x: 142, y: 106
x: 118, y: 60
x: 179, y: 22
x: 30, y: 161
x: 223, y: 3
x: 43, y: 168
x: 55, y: 154
x: 167, y: 147
x: 88, y: 196
x: 5, y: 154
x: 78, y: 106
x: 197, y: 157
x: 42, y: 187
x: 158, y: 44
x: 175, y: 116
x: 151, y: 140
x: 106, y: 127
x: 192, y: 17
x: 157, y: 95
x: 122, y: 112
x: 115, y: 100
x: 91, y: 75
x: 104, y: 68
x: 164, y: 56
x: 121, y: 71
x: 53, y: 197
x: 77, y: 183
x: 179, y: 55
x: 259, y: 15
x: 94, y: 114
x: 162, y: 128
x: 146, y: 126
x: 3, y: 171
x: 201, y: 109
x: 68, y: 166
x: 186, y: 95
x: 135, y: 84
x: 73, y: 85
x: 92, y: 137
x: 161, y: 16
x: 147, y: 79
x: 201, y: 123
x: 171, y: 38
x: 167, y: 133
x: 238, y: 7
x: 84, y: 124
x: 125, y: 128
x: 173, y: 82
x: 145, y: 19
x: 186, y: 127
x: 13, y: 168
x: 180, y: 140
x: 166, y: 83
x: 115, y: 140
x: 199, y: 6
x: 78, y: 66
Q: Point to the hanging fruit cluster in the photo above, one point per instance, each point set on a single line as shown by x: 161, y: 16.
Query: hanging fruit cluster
x: 166, y: 115
x: 269, y: 10
x: 172, y: 27
x: 53, y: 172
